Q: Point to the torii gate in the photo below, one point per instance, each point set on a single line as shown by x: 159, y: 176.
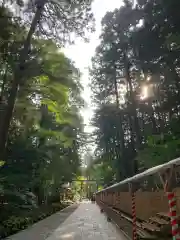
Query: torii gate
x: 87, y: 181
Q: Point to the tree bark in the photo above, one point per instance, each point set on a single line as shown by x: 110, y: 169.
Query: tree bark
x: 135, y: 128
x: 120, y: 133
x: 2, y: 97
x: 18, y: 74
x: 4, y: 83
x: 152, y: 118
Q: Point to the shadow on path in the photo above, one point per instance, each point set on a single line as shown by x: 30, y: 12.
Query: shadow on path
x: 44, y: 228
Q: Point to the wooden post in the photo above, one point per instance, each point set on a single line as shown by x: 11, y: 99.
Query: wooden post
x: 97, y: 186
x: 81, y: 190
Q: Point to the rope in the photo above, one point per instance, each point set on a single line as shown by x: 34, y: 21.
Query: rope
x: 134, y: 217
x: 173, y: 215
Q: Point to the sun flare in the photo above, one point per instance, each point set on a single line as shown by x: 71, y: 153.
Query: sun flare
x: 144, y: 93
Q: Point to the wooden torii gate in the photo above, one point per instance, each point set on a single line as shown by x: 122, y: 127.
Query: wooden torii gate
x: 87, y: 181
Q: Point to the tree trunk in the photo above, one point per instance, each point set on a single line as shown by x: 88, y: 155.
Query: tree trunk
x: 4, y: 83
x: 4, y: 127
x: 152, y: 118
x: 2, y: 97
x: 135, y: 128
x: 120, y: 133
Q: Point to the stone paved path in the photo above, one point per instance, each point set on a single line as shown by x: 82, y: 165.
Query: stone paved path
x: 83, y: 222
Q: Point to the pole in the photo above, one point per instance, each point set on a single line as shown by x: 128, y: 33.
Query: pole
x: 81, y: 190
x: 166, y: 179
x: 173, y: 215
x: 97, y: 187
x: 134, y: 216
x: 133, y: 199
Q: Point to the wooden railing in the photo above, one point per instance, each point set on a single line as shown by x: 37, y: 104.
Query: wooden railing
x: 153, y: 191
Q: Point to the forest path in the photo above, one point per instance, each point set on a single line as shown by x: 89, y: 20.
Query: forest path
x: 77, y: 222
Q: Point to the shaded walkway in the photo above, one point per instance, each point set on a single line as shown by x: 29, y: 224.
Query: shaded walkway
x: 84, y: 222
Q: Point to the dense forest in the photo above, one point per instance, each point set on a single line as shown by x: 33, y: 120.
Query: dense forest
x: 41, y: 129
x: 135, y: 83
x: 135, y: 80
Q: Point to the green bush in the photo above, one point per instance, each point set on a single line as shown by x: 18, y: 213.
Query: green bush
x: 16, y: 223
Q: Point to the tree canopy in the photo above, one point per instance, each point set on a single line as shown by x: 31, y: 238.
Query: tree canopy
x: 135, y: 83
x: 41, y: 129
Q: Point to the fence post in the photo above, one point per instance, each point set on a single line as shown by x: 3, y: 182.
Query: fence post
x: 133, y: 199
x: 173, y: 215
x: 114, y: 199
x: 166, y: 179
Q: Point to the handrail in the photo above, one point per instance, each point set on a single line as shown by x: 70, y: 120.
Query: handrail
x: 148, y: 172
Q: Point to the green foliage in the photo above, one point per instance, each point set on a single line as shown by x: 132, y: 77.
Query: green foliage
x: 16, y: 223
x: 136, y: 88
x: 159, y: 150
x: 44, y: 137
x: 1, y: 163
